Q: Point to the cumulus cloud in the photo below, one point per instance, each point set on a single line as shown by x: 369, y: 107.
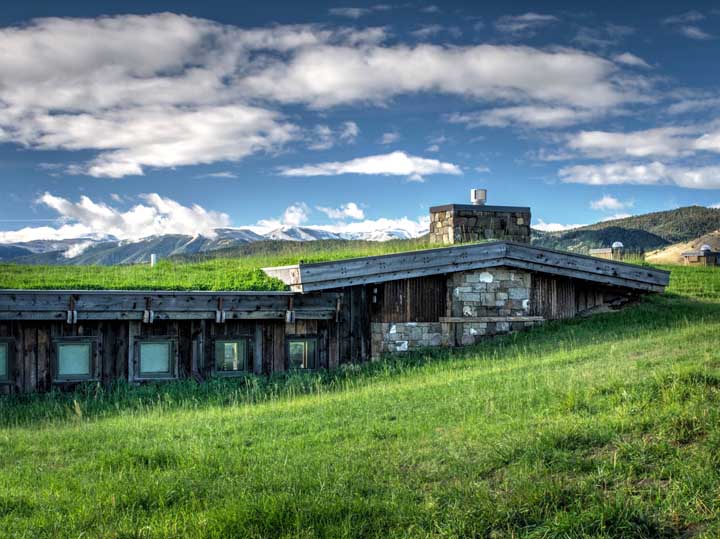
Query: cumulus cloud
x: 553, y: 227
x: 329, y: 75
x: 294, y: 215
x: 526, y: 115
x: 662, y: 141
x: 347, y: 211
x: 168, y: 90
x: 654, y: 173
x: 155, y: 216
x: 526, y: 23
x: 610, y: 203
x: 390, y: 164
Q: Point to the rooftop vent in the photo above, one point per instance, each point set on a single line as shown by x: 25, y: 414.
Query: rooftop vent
x: 478, y: 196
x: 617, y: 245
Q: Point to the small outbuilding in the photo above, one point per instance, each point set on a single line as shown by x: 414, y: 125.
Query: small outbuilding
x: 705, y: 256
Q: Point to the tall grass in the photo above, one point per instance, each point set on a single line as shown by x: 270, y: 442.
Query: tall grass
x: 603, y: 427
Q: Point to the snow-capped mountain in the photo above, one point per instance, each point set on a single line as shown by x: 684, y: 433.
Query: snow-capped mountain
x: 108, y: 250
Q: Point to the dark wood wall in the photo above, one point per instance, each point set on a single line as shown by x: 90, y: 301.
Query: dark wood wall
x: 32, y: 345
x: 554, y: 297
x: 422, y: 299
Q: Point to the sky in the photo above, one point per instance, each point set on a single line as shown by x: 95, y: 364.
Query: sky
x: 138, y: 118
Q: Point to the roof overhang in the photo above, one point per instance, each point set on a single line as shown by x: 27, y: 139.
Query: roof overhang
x: 165, y: 305
x: 376, y: 269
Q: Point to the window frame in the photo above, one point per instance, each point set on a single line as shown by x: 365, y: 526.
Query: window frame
x: 249, y: 344
x: 65, y: 379
x: 171, y: 374
x: 294, y: 338
x: 9, y: 376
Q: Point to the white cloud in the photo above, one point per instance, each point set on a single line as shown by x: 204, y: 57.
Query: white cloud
x: 683, y: 18
x: 693, y: 32
x: 631, y: 60
x: 655, y: 173
x: 349, y: 131
x: 716, y: 206
x: 294, y: 215
x: 528, y: 22
x: 168, y: 90
x: 553, y: 227
x: 357, y: 12
x: 482, y: 169
x: 662, y: 141
x: 610, y: 203
x: 389, y: 138
x: 221, y: 174
x: 88, y: 218
x: 430, y: 9
x: 322, y: 137
x: 694, y: 104
x: 350, y: 210
x: 433, y: 148
x: 391, y: 164
x: 330, y: 75
x: 526, y: 115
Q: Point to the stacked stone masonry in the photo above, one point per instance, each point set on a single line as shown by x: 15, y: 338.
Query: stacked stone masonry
x: 460, y: 224
x: 495, y: 292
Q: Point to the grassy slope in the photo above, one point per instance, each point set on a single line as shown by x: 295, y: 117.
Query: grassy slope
x: 605, y: 427
x: 241, y: 273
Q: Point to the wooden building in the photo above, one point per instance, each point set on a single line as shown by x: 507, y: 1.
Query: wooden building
x: 335, y: 312
x: 704, y: 256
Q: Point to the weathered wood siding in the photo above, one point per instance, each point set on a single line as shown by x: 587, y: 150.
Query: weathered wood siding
x: 33, y: 346
x: 410, y: 300
x: 554, y: 297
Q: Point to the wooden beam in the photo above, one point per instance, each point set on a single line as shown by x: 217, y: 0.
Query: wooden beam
x: 463, y: 319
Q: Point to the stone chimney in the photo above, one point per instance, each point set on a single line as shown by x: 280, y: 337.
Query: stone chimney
x: 460, y: 223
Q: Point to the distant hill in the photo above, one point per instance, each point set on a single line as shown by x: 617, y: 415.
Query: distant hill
x: 638, y: 233
x: 673, y: 253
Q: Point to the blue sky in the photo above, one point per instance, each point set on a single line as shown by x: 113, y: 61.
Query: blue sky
x: 137, y: 118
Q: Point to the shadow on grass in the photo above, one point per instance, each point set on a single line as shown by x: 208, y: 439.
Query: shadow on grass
x: 654, y: 314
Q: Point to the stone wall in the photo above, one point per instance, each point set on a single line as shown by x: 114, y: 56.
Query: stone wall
x: 407, y: 336
x: 456, y: 223
x: 495, y: 292
x: 491, y: 292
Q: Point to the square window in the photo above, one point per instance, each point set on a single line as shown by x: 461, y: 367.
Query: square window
x: 302, y: 353
x: 231, y: 356
x: 4, y: 362
x: 155, y: 359
x: 74, y: 361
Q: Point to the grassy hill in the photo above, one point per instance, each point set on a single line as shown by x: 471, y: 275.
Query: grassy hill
x: 673, y: 253
x: 237, y: 268
x: 638, y: 233
x: 603, y: 427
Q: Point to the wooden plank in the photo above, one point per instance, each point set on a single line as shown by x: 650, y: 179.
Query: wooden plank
x: 43, y: 359
x: 60, y: 316
x: 588, y: 264
x: 460, y: 319
x: 122, y: 302
x: 134, y: 330
x: 258, y: 356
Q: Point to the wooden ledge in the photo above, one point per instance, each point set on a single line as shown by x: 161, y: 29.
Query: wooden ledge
x: 459, y: 319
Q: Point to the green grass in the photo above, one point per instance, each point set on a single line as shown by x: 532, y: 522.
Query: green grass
x: 599, y: 427
x: 239, y: 269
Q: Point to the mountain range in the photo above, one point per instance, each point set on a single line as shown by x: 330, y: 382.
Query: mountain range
x: 639, y: 233
x: 110, y: 251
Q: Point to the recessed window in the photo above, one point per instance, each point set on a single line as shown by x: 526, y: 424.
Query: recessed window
x: 302, y: 353
x: 156, y: 359
x: 231, y: 356
x: 4, y: 362
x: 74, y: 361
